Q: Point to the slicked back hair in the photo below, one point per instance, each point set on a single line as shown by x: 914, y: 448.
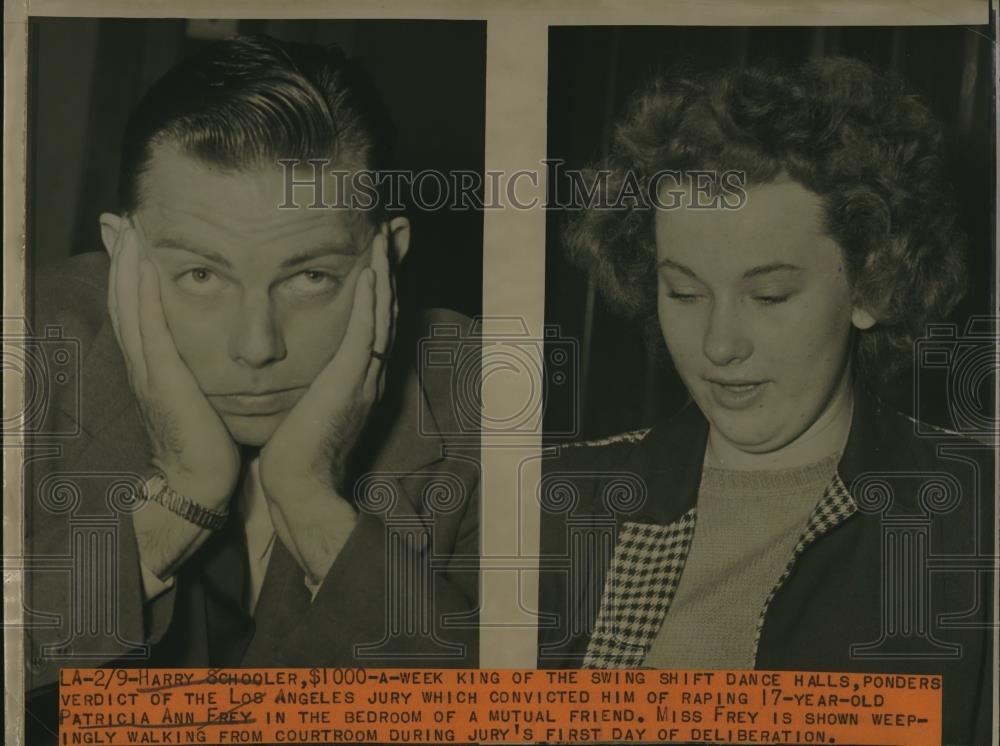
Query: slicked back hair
x: 249, y: 101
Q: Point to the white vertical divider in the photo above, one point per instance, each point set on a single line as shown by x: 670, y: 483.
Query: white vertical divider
x: 513, y: 294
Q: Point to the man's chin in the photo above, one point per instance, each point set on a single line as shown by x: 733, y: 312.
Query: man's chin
x: 253, y: 431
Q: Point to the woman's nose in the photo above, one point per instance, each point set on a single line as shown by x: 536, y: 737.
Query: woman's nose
x: 257, y: 339
x: 726, y: 340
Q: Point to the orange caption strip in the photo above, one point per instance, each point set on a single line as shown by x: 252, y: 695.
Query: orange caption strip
x: 322, y: 705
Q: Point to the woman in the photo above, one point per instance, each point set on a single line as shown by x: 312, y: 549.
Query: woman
x: 749, y: 530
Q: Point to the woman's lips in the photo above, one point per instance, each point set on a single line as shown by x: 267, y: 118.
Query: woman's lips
x: 736, y: 394
x: 256, y: 405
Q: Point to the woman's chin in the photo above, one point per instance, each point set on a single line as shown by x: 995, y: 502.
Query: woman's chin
x: 748, y: 437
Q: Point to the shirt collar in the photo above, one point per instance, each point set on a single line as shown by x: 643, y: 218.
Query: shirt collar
x: 254, y: 512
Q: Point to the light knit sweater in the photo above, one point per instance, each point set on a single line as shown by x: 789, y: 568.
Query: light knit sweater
x: 747, y: 525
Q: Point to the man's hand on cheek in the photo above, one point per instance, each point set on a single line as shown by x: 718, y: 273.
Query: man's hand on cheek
x: 189, y: 443
x: 304, y: 465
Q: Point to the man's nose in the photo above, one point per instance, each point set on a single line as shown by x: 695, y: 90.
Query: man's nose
x: 726, y: 340
x: 257, y: 340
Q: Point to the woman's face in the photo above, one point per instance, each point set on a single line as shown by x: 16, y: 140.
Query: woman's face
x: 755, y: 308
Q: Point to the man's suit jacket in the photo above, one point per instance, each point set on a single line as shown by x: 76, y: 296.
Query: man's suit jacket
x: 415, y: 471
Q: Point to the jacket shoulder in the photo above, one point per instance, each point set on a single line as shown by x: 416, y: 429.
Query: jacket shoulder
x: 938, y: 472
x: 598, y: 452
x: 618, y: 440
x: 582, y: 472
x: 685, y: 426
x: 929, y: 444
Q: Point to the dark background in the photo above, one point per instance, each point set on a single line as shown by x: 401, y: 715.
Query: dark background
x: 593, y: 71
x: 86, y: 75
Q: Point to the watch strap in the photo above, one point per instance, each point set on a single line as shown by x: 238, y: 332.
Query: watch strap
x: 160, y: 492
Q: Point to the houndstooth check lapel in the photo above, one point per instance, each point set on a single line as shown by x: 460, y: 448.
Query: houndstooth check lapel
x: 645, y: 570
x: 835, y: 507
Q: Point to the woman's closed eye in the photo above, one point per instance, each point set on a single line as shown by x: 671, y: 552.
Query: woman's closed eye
x: 771, y: 299
x: 770, y: 294
x: 684, y: 296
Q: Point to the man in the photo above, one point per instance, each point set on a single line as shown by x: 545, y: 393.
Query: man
x: 239, y: 374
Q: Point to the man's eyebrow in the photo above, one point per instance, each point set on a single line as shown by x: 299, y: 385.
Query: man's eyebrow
x: 175, y: 244
x: 331, y: 247
x: 764, y: 269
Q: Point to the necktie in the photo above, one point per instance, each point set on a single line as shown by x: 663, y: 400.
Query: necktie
x: 226, y: 578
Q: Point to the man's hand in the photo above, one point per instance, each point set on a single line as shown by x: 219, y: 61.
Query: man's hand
x: 304, y: 465
x: 189, y: 442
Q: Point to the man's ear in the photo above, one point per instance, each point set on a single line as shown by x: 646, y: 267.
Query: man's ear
x: 111, y: 229
x: 861, y: 318
x: 399, y: 238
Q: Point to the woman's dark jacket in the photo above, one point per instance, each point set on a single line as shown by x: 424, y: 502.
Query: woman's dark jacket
x: 836, y: 607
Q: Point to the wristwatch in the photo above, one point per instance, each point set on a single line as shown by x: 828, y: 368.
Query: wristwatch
x: 158, y: 491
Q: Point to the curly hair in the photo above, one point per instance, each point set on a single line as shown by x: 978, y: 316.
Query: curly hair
x: 849, y: 133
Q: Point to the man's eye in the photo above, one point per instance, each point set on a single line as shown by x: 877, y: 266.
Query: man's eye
x: 199, y: 280
x: 312, y: 282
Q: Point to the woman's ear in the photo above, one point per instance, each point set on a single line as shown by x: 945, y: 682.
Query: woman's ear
x: 861, y: 318
x: 111, y: 231
x: 399, y: 238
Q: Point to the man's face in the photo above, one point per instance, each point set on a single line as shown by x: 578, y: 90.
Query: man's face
x: 755, y: 308
x: 257, y: 298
